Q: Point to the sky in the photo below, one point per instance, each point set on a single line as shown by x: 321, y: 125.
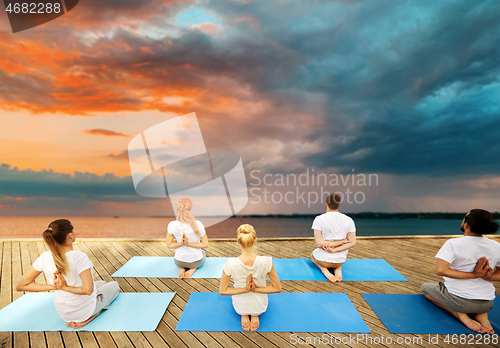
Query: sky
x: 407, y: 91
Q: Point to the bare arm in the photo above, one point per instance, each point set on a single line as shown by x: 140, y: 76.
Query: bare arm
x: 275, y: 286
x: 442, y: 268
x: 351, y: 242
x: 324, y: 244
x: 27, y: 282
x: 202, y: 244
x: 318, y: 238
x: 336, y: 243
x: 225, y: 289
x: 87, y: 287
x: 170, y: 242
x: 492, y: 275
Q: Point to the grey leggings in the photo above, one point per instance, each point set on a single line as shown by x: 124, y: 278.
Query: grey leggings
x: 195, y: 264
x: 106, y: 293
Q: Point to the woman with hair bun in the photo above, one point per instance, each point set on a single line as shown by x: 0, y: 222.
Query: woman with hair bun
x: 249, y: 273
x: 190, y: 237
x: 466, y: 264
x: 77, y: 298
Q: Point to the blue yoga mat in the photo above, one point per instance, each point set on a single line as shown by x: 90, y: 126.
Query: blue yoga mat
x: 164, y: 267
x: 287, y: 269
x: 352, y: 270
x: 286, y: 312
x: 128, y: 312
x: 414, y: 314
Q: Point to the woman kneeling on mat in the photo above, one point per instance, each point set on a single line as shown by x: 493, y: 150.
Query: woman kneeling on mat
x: 78, y: 299
x: 190, y: 238
x: 249, y: 273
x: 466, y: 264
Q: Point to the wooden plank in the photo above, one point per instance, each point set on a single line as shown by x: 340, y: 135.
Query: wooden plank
x: 21, y: 339
x: 5, y: 288
x: 54, y: 339
x: 70, y: 339
x: 29, y: 255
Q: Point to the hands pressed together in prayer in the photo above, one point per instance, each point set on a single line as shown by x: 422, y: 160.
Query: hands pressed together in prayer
x: 483, y: 269
x: 184, y: 240
x: 250, y: 283
x: 59, y: 281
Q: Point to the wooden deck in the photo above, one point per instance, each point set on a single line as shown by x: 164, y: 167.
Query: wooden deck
x: 412, y: 257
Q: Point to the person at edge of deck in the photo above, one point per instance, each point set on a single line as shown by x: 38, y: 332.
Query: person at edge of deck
x: 466, y: 266
x: 191, y: 239
x: 78, y: 298
x: 249, y: 273
x: 334, y: 234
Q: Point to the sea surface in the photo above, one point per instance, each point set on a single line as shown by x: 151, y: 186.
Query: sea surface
x: 146, y: 227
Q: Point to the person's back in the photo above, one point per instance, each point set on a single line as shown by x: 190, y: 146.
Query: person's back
x: 184, y: 252
x: 463, y: 254
x: 249, y: 303
x: 190, y: 239
x: 334, y: 234
x: 78, y: 299
x: 249, y: 273
x: 70, y: 307
x: 334, y: 226
x: 467, y: 265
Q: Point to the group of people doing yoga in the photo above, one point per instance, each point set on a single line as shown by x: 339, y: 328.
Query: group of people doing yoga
x: 468, y: 264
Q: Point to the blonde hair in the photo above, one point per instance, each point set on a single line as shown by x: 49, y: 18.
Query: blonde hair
x: 184, y: 215
x: 246, y: 235
x: 55, y: 236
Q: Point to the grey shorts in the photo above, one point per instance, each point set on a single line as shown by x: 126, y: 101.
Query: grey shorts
x: 195, y: 264
x: 459, y: 304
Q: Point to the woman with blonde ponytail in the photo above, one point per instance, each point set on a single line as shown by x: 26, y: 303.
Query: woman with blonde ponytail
x: 249, y: 273
x: 190, y: 238
x: 78, y: 299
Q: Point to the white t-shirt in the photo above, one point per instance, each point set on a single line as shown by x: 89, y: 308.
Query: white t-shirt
x: 186, y: 253
x: 462, y: 254
x: 333, y: 226
x: 249, y: 303
x: 70, y: 307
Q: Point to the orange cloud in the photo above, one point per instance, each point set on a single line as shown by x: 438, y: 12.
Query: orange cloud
x: 104, y: 132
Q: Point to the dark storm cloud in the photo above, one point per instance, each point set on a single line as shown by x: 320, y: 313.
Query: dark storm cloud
x: 410, y: 87
x: 48, y: 184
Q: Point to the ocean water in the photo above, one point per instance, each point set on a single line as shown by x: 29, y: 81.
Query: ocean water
x: 144, y: 227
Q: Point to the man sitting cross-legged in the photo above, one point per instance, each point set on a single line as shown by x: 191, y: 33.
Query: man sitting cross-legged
x: 466, y: 265
x: 334, y: 233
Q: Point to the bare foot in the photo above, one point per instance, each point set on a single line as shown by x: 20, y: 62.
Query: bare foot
x: 70, y: 323
x: 182, y: 271
x: 338, y: 274
x: 328, y: 275
x: 254, y: 323
x: 482, y: 319
x: 470, y: 323
x: 83, y: 323
x: 189, y: 273
x: 245, y: 322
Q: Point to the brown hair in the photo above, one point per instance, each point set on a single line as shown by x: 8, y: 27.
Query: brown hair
x: 481, y: 221
x: 246, y: 235
x: 184, y: 215
x: 333, y: 200
x: 55, y: 236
